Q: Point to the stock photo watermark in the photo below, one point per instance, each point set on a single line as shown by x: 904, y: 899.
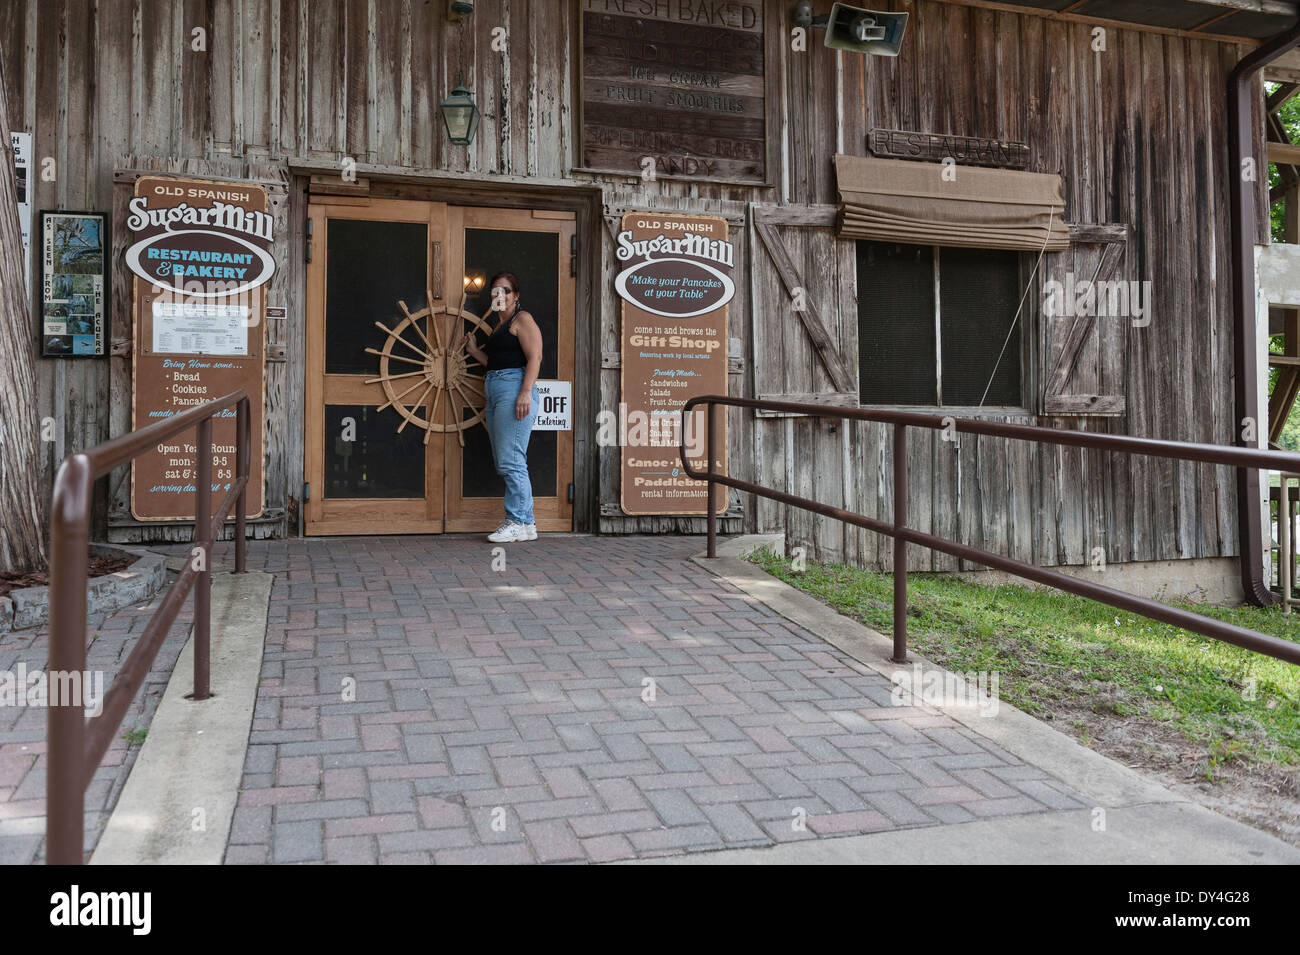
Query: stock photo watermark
x: 939, y: 688
x: 21, y: 687
x: 1086, y: 298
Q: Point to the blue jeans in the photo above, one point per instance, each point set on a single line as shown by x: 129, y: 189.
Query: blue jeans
x: 509, y: 437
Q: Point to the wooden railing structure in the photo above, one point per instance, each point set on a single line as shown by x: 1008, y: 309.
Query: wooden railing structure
x: 75, y: 747
x: 1282, y: 501
x: 903, y: 535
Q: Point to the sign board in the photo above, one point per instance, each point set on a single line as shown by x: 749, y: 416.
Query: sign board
x: 22, y: 146
x: 201, y: 328
x: 201, y: 254
x: 554, y: 406
x: 677, y: 87
x: 675, y: 280
x: 73, y: 304
x: 936, y: 147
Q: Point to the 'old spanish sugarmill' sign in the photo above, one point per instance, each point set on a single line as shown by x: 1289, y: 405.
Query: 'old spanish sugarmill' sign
x: 675, y: 279
x: 201, y: 255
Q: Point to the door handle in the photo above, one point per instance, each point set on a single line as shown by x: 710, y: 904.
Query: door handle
x: 436, y: 286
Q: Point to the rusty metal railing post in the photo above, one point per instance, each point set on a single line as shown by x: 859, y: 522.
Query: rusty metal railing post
x: 66, y: 773
x: 76, y: 746
x: 710, y: 443
x: 203, y: 584
x: 1284, y: 543
x: 241, y: 471
x: 900, y: 545
x: 902, y: 535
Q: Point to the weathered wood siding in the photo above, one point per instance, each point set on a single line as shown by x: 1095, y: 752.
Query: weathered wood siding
x: 1137, y: 132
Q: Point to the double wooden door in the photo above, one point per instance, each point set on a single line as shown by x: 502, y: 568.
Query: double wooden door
x: 395, y: 439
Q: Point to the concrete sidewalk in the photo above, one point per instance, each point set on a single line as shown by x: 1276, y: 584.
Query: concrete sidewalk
x: 603, y: 699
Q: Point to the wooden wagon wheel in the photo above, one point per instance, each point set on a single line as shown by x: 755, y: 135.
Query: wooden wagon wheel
x: 441, y: 365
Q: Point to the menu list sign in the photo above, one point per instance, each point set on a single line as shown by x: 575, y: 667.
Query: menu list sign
x: 201, y: 254
x: 675, y: 280
x: 673, y: 86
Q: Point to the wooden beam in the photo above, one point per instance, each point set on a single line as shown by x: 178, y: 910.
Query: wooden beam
x: 1281, y: 74
x: 1097, y: 233
x: 1213, y: 20
x: 1277, y: 133
x: 337, y: 186
x: 801, y: 215
x: 1244, y: 41
x: 1284, y: 153
x: 1085, y: 404
x: 1280, y: 96
x: 304, y: 165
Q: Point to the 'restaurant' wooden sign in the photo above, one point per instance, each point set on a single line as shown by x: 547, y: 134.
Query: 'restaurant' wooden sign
x: 201, y: 254
x: 675, y: 279
x: 936, y: 147
x: 675, y: 86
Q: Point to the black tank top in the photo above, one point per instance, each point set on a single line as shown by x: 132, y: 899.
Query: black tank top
x: 503, y: 349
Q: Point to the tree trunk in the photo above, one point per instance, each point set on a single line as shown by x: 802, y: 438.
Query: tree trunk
x: 22, y: 498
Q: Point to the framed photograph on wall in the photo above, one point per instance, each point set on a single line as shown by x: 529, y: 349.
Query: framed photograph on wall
x: 74, y: 300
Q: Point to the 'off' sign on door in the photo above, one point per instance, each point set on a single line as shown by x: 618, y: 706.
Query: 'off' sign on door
x: 554, y: 406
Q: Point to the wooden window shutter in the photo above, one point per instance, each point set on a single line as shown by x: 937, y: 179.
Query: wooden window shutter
x: 802, y: 284
x: 1085, y: 351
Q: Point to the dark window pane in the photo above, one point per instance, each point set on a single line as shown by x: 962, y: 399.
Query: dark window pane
x: 371, y: 266
x: 379, y: 462
x: 479, y: 475
x: 979, y: 290
x: 896, y: 353
x: 534, y: 258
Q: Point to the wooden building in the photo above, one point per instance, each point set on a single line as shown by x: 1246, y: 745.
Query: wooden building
x: 333, y: 107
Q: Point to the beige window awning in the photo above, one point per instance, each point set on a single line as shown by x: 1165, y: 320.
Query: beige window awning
x: 895, y: 200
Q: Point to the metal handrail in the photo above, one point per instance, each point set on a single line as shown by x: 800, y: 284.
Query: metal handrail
x: 903, y: 535
x: 75, y: 748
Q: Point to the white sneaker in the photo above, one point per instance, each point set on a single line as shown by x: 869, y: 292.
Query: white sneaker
x: 532, y: 531
x: 509, y: 532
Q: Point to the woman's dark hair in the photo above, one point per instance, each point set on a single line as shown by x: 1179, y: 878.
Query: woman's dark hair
x: 509, y: 276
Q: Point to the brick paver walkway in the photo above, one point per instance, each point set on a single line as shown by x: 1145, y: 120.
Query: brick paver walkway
x: 23, y: 728
x: 499, y: 715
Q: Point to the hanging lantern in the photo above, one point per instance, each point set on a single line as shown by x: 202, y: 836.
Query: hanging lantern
x: 460, y: 115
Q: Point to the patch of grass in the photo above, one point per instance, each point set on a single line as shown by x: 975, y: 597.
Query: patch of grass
x: 135, y: 737
x: 1054, y: 651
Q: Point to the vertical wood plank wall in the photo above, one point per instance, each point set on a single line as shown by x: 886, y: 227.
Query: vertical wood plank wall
x: 1138, y: 134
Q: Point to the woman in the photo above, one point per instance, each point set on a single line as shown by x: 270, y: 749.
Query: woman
x: 513, y: 357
